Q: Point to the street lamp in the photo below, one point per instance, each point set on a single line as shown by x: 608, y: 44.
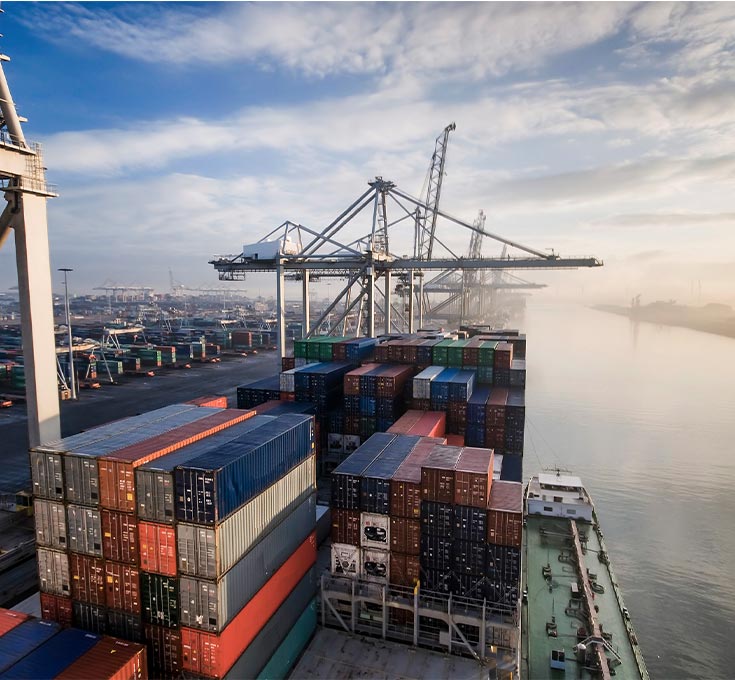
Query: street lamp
x: 72, y: 377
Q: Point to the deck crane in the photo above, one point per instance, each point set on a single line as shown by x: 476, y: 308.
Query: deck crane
x: 23, y: 181
x: 367, y: 259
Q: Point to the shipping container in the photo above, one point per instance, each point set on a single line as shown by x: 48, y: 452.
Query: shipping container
x: 164, y: 650
x: 505, y: 514
x: 50, y: 520
x: 54, y: 656
x: 405, y: 535
x: 268, y: 642
x: 91, y: 617
x: 87, y: 579
x: 345, y: 559
x: 208, y: 552
x: 125, y: 625
x: 157, y: 544
x: 346, y: 478
x: 160, y: 599
x: 437, y: 474
x: 469, y: 558
x: 461, y: 386
x: 345, y: 526
x: 85, y: 530
x: 211, y: 487
x: 212, y: 655
x: 123, y: 587
x: 390, y: 382
x: 10, y: 619
x: 473, y: 475
x: 119, y: 536
x: 211, y: 605
x: 421, y: 384
x: 375, y: 565
x: 54, y: 608
x: 405, y: 484
x: 375, y: 483
x: 109, y: 659
x: 53, y: 572
x: 437, y: 518
x: 47, y: 475
x: 211, y: 401
x: 154, y: 481
x: 23, y: 639
x: 374, y: 531
x: 405, y: 570
x: 512, y: 470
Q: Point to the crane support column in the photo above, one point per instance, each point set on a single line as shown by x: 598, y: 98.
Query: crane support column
x: 410, y: 302
x: 370, y: 282
x: 37, y: 319
x: 387, y: 304
x: 421, y: 301
x: 305, y: 303
x: 280, y: 308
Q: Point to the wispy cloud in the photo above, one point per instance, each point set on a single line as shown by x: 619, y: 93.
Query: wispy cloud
x: 667, y: 219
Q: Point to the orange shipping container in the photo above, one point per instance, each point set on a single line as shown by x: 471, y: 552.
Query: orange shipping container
x: 110, y: 659
x: 405, y: 485
x: 211, y: 402
x: 122, y: 584
x: 117, y: 470
x: 119, y: 536
x: 405, y: 570
x: 56, y: 608
x: 405, y: 535
x: 213, y: 655
x: 473, y: 477
x: 157, y: 548
x: 10, y: 619
x: 505, y: 514
x: 87, y: 579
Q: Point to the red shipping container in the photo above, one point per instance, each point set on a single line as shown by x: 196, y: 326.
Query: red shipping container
x: 473, y: 477
x: 87, y: 579
x: 288, y: 396
x: 110, y: 659
x: 117, y: 470
x: 266, y: 406
x: 352, y: 379
x: 405, y: 570
x: 352, y: 425
x: 56, y: 608
x: 495, y: 407
x: 405, y: 484
x: 437, y: 474
x: 505, y: 514
x: 503, y: 356
x: 122, y: 584
x: 391, y: 381
x: 405, y: 535
x: 455, y: 440
x: 157, y: 548
x: 288, y: 363
x: 164, y: 650
x: 431, y: 424
x: 119, y: 536
x: 10, y: 619
x: 211, y: 402
x: 213, y: 655
x: 345, y: 526
x: 404, y: 424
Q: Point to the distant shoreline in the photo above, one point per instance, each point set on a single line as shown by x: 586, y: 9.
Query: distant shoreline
x: 713, y: 319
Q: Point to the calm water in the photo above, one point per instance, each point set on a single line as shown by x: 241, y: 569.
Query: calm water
x: 646, y: 416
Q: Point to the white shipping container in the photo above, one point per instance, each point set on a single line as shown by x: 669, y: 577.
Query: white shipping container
x: 85, y: 530
x: 208, y: 552
x: 497, y: 465
x: 375, y: 565
x: 351, y: 442
x: 53, y: 572
x: 335, y: 443
x: 422, y: 382
x: 288, y: 381
x: 374, y: 531
x: 50, y: 519
x: 345, y: 559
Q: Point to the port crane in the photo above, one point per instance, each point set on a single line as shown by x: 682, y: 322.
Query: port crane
x: 369, y: 261
x: 23, y: 183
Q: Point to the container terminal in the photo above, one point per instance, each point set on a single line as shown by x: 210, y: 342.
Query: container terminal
x: 365, y: 502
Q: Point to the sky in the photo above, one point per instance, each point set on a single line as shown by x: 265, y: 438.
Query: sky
x: 180, y: 131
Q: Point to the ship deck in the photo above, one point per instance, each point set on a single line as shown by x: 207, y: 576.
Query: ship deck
x: 549, y: 541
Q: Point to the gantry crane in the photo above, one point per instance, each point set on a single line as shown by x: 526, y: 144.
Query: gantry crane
x: 23, y: 181
x: 370, y: 258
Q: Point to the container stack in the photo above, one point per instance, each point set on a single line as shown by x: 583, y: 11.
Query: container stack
x: 33, y: 648
x: 188, y: 527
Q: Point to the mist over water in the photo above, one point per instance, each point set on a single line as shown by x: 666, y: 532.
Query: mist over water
x: 645, y: 414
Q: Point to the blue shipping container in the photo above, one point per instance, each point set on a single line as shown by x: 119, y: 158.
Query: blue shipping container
x: 291, y: 648
x: 23, y: 639
x: 461, y: 385
x: 512, y: 469
x: 440, y: 384
x: 214, y: 485
x: 476, y: 406
x: 53, y: 656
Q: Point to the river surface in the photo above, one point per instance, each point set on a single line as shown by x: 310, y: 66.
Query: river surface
x: 645, y: 414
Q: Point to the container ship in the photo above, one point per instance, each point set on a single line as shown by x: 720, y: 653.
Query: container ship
x: 374, y: 486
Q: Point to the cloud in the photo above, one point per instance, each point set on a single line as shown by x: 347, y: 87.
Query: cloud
x: 667, y: 219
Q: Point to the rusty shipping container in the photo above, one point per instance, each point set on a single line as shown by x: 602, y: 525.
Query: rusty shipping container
x: 437, y: 474
x: 119, y: 536
x: 505, y: 514
x: 211, y: 655
x: 157, y: 548
x: 55, y: 608
x: 473, y: 476
x: 87, y: 579
x: 122, y: 582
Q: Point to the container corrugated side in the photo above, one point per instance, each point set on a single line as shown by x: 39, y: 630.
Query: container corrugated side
x: 47, y: 475
x: 157, y: 548
x: 125, y: 625
x: 53, y: 656
x: 208, y: 552
x: 110, y: 659
x: 164, y: 650
x: 23, y: 639
x: 55, y: 608
x: 119, y: 536
x: 123, y: 587
x: 213, y: 655
x: 91, y: 617
x: 267, y: 643
x: 53, y: 572
x: 155, y: 488
x: 50, y: 520
x: 85, y: 530
x: 213, y: 486
x: 10, y: 619
x: 160, y: 599
x: 211, y: 605
x: 87, y: 579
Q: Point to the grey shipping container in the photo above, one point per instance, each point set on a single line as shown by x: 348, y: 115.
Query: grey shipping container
x: 261, y: 649
x: 85, y: 530
x: 50, y: 519
x: 211, y: 605
x: 154, y: 481
x: 160, y: 599
x: 53, y: 572
x: 47, y: 475
x: 209, y: 552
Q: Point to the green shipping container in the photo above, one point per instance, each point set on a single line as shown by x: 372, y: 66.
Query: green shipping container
x: 487, y: 352
x: 455, y: 353
x: 440, y: 353
x: 293, y: 645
